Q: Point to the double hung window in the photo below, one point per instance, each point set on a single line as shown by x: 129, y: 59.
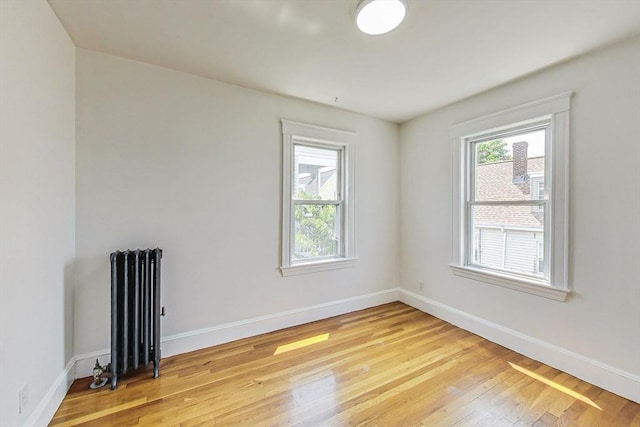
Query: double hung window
x: 318, y: 199
x: 317, y: 202
x: 505, y: 219
x: 511, y: 198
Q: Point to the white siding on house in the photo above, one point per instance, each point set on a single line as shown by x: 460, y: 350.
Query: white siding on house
x: 521, y: 251
x: 491, y: 240
x: 508, y: 249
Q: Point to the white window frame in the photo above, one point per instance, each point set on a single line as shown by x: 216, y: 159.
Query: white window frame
x: 556, y: 109
x: 311, y: 135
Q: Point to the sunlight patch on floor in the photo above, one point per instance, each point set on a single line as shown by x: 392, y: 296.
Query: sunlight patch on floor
x: 555, y: 385
x: 301, y: 343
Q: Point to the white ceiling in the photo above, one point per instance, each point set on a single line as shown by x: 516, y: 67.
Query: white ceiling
x: 446, y: 50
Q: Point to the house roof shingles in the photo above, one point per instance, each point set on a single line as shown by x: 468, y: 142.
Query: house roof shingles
x: 494, y: 182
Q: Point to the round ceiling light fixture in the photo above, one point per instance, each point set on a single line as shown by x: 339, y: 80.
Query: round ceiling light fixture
x: 375, y: 17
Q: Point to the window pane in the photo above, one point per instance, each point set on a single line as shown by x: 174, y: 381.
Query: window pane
x: 316, y: 230
x: 316, y: 173
x: 509, y: 238
x: 510, y: 168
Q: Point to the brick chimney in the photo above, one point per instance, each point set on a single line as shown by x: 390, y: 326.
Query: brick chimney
x: 520, y: 155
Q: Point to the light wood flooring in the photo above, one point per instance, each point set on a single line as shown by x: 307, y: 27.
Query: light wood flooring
x: 390, y: 365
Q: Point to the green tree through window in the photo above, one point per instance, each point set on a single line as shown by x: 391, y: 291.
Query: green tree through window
x: 493, y: 151
x: 315, y: 228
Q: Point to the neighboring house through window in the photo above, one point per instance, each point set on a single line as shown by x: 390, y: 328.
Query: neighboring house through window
x: 318, y: 211
x: 537, y: 189
x: 511, y: 205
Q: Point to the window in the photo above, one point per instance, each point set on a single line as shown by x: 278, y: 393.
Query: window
x: 317, y: 202
x: 318, y: 211
x: 510, y: 226
x: 502, y: 211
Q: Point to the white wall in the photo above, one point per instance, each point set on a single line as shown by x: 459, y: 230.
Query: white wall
x: 37, y: 208
x: 601, y: 319
x: 193, y: 166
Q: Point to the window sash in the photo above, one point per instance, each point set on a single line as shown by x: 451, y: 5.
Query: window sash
x: 532, y: 202
x: 339, y: 202
x: 544, y: 123
x: 339, y: 232
x: 316, y: 202
x: 299, y: 142
x: 475, y: 249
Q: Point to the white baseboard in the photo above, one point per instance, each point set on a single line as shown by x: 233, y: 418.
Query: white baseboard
x: 220, y: 334
x: 607, y: 377
x: 43, y: 413
x: 202, y: 338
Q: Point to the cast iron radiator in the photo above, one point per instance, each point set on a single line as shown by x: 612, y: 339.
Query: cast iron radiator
x: 135, y: 311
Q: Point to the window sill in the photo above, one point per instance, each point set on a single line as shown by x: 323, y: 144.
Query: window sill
x: 511, y: 282
x: 317, y: 266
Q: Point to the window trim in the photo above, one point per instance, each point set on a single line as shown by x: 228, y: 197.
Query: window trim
x: 557, y: 109
x: 322, y: 137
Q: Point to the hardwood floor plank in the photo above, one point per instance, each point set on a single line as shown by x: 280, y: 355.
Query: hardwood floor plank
x: 467, y: 400
x: 386, y: 366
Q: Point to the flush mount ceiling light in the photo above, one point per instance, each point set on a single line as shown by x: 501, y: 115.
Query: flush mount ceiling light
x: 375, y: 17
